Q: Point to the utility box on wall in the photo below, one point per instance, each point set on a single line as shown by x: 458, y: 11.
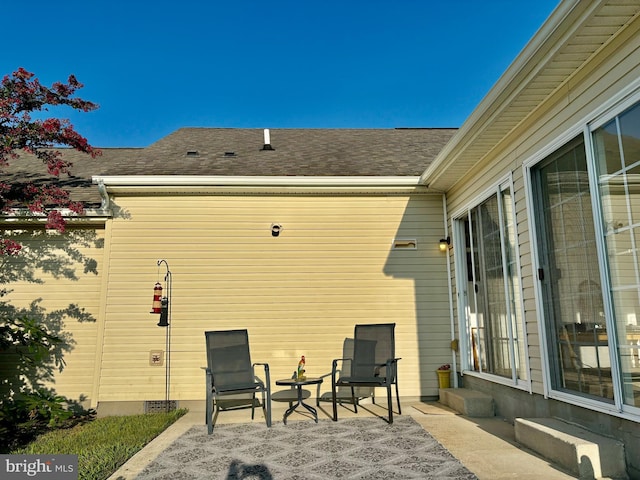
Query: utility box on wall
x: 156, y: 358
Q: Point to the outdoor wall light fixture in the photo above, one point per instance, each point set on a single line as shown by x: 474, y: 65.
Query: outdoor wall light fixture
x: 445, y: 243
x: 276, y: 228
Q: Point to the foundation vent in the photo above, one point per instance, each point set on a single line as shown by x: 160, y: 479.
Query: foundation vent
x: 159, y: 406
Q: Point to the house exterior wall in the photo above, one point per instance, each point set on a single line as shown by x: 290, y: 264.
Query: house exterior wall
x: 609, y: 73
x: 300, y: 293
x: 56, y: 270
x: 612, y: 72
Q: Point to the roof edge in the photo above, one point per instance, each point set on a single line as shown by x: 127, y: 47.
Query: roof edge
x: 251, y: 181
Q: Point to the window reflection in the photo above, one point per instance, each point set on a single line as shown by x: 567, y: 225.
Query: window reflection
x: 577, y: 339
x: 618, y: 142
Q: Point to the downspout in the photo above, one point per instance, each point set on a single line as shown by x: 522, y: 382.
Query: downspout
x: 104, y: 205
x: 102, y: 308
x: 450, y: 286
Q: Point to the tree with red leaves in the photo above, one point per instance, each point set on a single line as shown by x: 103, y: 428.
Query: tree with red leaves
x: 21, y: 94
x: 31, y: 342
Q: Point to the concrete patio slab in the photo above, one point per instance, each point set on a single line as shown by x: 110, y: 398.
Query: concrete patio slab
x: 486, y: 446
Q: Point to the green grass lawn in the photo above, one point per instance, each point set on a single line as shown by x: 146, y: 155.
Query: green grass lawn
x: 104, y: 444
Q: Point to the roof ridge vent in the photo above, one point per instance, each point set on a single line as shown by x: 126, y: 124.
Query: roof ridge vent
x: 267, y: 140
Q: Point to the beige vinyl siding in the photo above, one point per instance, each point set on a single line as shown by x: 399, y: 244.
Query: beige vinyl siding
x: 608, y: 72
x: 56, y: 292
x: 300, y: 293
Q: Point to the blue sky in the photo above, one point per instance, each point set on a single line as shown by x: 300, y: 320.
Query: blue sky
x: 154, y: 67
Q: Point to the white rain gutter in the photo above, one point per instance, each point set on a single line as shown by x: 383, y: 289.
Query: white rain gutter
x: 250, y: 185
x: 19, y: 216
x: 247, y: 181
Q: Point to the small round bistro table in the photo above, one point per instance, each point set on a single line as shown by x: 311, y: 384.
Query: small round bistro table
x: 294, y: 382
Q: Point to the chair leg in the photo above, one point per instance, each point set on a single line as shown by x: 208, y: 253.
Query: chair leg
x: 389, y: 403
x: 398, y: 400
x: 253, y: 405
x: 353, y: 400
x: 212, y: 421
x: 268, y: 409
x: 209, y: 415
x: 333, y: 400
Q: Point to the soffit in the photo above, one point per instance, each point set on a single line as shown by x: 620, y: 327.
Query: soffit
x: 572, y: 35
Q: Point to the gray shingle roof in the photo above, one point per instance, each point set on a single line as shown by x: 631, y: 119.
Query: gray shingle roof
x: 239, y: 152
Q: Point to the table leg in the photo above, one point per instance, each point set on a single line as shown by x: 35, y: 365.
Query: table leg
x: 300, y: 402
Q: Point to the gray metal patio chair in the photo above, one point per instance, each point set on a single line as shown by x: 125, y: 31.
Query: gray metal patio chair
x: 374, y: 364
x: 230, y: 372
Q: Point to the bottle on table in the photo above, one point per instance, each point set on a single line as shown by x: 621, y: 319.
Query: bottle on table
x: 301, y: 365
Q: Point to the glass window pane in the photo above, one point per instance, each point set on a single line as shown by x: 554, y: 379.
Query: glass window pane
x: 622, y: 259
x: 513, y: 286
x: 633, y: 188
x: 636, y: 250
x: 614, y: 204
x: 630, y: 134
x: 607, y: 149
x: 492, y: 309
x: 627, y: 319
x: 626, y: 305
x: 620, y: 200
x: 576, y: 332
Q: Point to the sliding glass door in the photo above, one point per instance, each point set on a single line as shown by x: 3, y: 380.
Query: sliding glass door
x: 568, y: 272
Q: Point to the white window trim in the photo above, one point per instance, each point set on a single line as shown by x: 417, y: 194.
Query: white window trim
x: 500, y: 184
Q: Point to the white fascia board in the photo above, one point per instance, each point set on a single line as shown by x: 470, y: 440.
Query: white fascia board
x: 246, y: 181
x: 17, y: 215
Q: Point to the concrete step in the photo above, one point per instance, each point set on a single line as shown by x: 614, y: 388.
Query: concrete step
x: 579, y: 451
x: 468, y: 402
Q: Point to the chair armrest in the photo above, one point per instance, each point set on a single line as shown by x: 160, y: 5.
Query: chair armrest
x: 392, y: 366
x: 335, y: 361
x: 265, y: 365
x: 266, y: 373
x: 392, y: 360
x: 320, y: 385
x: 334, y: 368
x: 209, y: 382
